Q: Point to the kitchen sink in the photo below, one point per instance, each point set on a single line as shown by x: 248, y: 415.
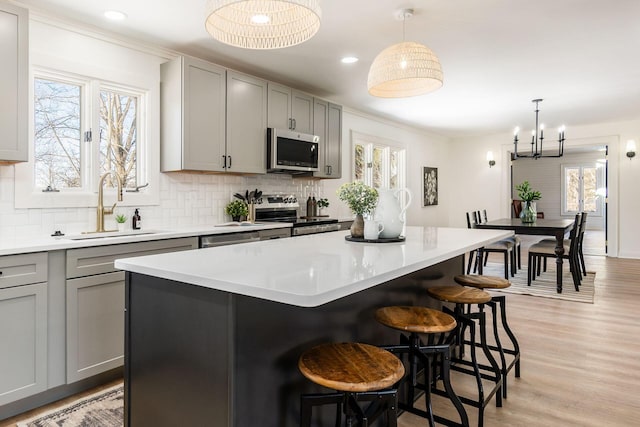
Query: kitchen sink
x: 103, y: 235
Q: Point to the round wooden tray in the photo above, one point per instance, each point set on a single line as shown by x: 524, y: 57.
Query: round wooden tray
x: 363, y: 240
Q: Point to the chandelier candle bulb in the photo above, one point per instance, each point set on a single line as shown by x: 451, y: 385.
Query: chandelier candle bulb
x: 537, y: 139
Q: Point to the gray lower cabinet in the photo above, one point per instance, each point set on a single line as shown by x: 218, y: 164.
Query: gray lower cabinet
x: 95, y: 304
x: 23, y: 326
x: 95, y: 325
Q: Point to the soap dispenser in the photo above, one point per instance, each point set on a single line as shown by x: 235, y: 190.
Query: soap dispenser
x: 137, y: 221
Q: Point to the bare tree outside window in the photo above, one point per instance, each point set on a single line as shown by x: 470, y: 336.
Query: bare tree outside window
x: 57, y: 134
x: 118, y: 137
x: 359, y: 163
x: 580, y: 189
x: 377, y: 164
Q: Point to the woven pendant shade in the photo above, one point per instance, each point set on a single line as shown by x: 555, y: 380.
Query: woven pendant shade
x: 263, y: 24
x: 404, y: 69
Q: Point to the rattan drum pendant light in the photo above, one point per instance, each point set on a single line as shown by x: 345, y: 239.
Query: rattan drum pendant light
x: 404, y: 69
x: 263, y: 24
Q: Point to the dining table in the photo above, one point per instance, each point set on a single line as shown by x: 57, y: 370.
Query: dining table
x: 541, y: 227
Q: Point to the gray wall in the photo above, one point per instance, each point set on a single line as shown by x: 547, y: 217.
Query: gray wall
x: 544, y: 175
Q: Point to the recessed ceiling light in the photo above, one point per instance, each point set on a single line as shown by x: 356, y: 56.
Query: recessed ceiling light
x: 115, y: 15
x: 349, y: 60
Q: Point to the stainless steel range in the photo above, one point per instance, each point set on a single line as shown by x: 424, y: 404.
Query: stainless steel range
x: 284, y: 208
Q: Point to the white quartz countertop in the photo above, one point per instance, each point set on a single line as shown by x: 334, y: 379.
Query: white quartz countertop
x: 312, y: 270
x: 21, y: 245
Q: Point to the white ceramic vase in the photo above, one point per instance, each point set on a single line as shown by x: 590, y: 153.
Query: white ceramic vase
x: 391, y: 213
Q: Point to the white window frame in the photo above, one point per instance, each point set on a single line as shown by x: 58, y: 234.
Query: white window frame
x: 370, y: 142
x: 148, y: 157
x: 599, y: 184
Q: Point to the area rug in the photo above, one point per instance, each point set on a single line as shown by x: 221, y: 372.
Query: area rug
x: 545, y: 284
x: 102, y: 409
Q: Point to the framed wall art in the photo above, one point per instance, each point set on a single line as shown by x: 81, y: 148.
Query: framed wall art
x: 430, y: 186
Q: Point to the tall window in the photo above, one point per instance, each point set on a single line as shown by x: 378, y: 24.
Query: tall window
x: 581, y: 189
x: 378, y: 163
x: 75, y: 143
x: 57, y: 131
x: 118, y: 136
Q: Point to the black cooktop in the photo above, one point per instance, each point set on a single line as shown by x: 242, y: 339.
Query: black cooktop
x: 301, y: 222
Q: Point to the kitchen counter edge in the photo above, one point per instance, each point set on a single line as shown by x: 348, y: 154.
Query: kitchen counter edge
x: 30, y: 245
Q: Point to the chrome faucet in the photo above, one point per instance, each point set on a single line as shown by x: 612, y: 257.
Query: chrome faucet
x: 101, y: 209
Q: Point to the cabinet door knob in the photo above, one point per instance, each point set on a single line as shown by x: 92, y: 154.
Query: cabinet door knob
x: 224, y: 162
x: 229, y: 162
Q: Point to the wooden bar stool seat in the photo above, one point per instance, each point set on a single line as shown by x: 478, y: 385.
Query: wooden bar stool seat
x: 482, y: 282
x: 459, y: 294
x: 498, y: 303
x: 422, y: 320
x: 463, y: 296
x: 360, y: 373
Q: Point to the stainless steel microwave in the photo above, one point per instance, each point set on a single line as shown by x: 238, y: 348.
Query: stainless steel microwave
x: 291, y: 152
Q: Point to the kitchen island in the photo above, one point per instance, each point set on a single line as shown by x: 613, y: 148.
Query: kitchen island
x: 213, y: 335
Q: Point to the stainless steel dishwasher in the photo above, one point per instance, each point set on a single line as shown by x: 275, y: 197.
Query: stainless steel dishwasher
x: 228, y: 239
x: 243, y: 237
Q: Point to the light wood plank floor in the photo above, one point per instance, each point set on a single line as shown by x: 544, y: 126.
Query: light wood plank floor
x: 580, y: 362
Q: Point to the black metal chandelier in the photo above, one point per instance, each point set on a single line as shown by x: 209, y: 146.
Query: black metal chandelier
x: 537, y: 138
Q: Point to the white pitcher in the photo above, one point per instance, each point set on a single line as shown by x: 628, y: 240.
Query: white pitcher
x: 390, y: 213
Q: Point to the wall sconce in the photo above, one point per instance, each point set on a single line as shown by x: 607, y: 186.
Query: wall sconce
x: 490, y: 159
x: 631, y: 149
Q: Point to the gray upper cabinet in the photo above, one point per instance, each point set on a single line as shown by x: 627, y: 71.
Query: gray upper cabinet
x: 14, y: 77
x: 193, y: 119
x: 327, y: 124
x: 246, y: 124
x: 290, y: 109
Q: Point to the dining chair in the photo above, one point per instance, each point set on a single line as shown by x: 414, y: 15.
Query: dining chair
x: 542, y: 250
x: 581, y: 230
x: 517, y: 207
x: 516, y: 259
x: 503, y: 246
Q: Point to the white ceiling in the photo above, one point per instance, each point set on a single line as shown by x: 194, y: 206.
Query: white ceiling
x: 581, y: 56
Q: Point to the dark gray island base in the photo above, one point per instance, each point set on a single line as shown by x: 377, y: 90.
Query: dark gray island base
x: 201, y: 357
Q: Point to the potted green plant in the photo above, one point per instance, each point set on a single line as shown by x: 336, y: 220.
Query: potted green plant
x: 121, y: 219
x: 528, y: 197
x: 322, y: 203
x: 237, y: 209
x: 362, y: 200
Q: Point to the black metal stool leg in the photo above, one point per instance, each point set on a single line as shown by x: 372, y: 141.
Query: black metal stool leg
x: 446, y: 381
x: 488, y: 355
x: 308, y: 401
x: 505, y: 325
x: 498, y: 347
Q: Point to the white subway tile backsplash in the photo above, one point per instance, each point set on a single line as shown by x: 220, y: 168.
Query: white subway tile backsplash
x: 185, y: 200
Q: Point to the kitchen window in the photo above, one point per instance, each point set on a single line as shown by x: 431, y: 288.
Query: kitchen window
x: 83, y: 128
x: 583, y: 188
x: 377, y: 162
